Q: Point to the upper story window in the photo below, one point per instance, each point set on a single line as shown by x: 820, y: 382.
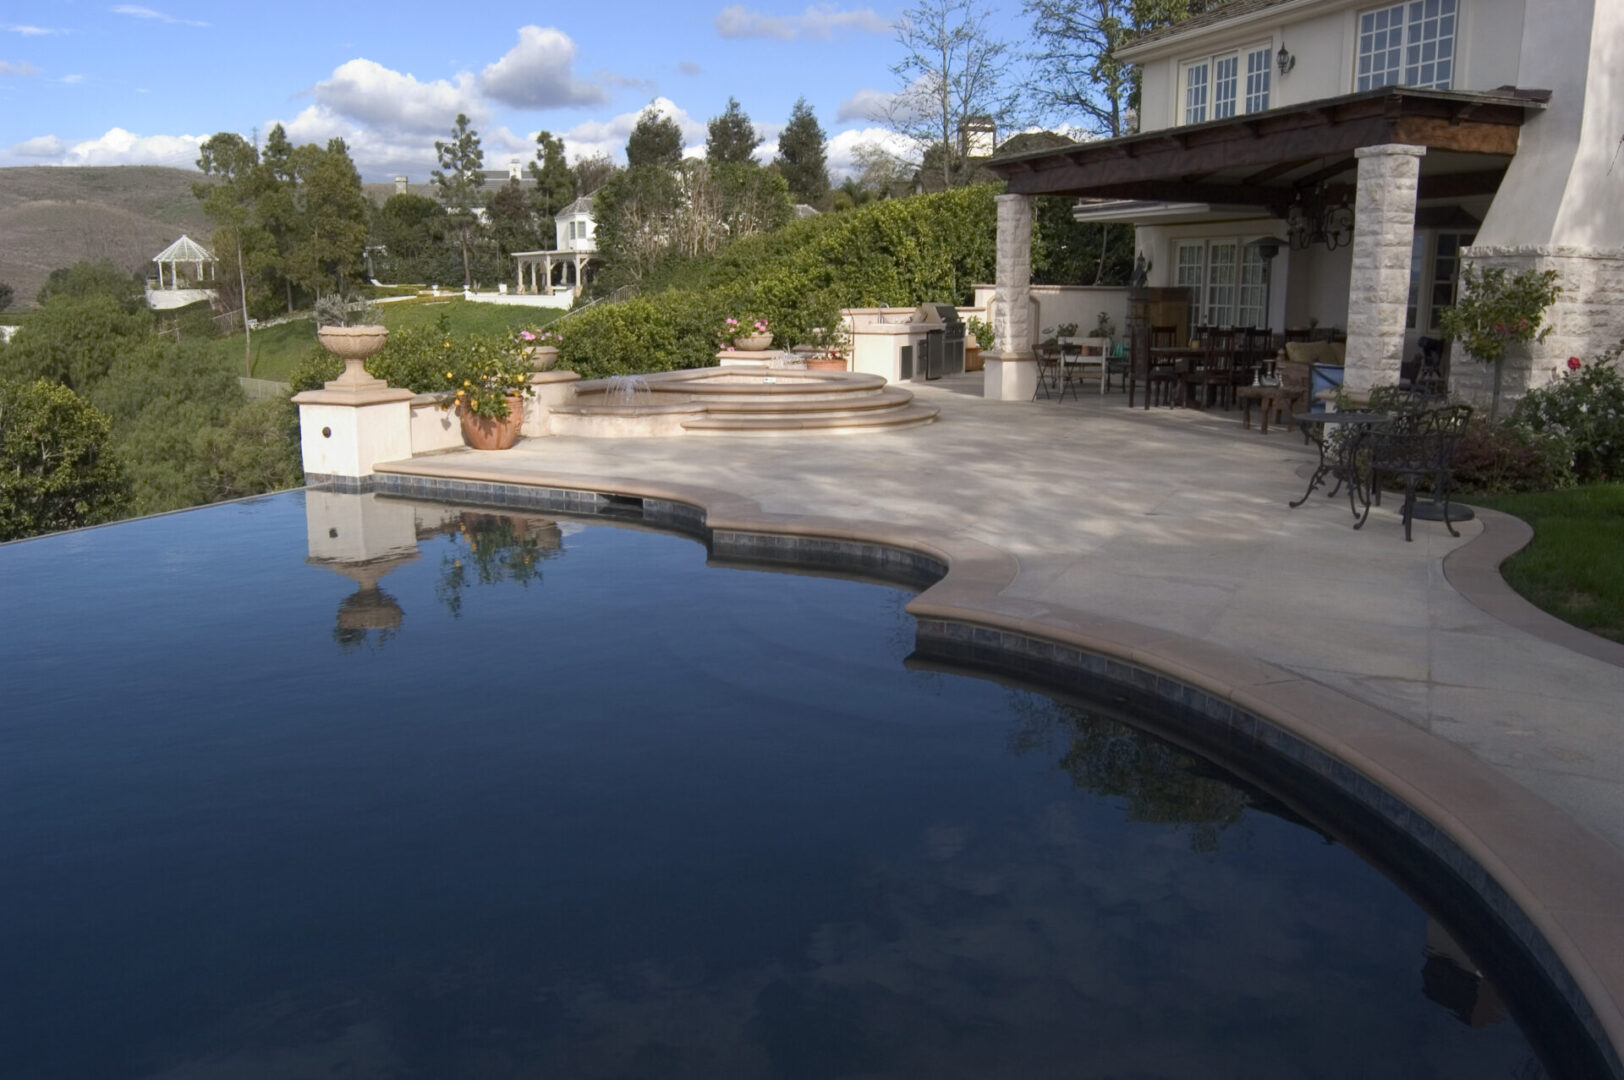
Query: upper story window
x: 1407, y: 44
x: 1221, y: 86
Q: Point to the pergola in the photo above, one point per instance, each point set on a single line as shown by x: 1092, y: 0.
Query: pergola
x: 184, y: 251
x: 1384, y: 150
x: 535, y: 270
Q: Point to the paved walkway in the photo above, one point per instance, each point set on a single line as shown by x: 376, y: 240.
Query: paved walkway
x: 1177, y: 520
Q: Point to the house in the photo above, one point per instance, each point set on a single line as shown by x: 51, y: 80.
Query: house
x: 1382, y: 145
x: 570, y: 264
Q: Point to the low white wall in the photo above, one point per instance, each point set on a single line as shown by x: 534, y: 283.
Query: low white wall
x: 561, y: 300
x: 1056, y: 304
x: 168, y: 299
x: 433, y: 428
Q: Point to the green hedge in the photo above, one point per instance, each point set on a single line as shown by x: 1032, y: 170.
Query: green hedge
x: 899, y: 252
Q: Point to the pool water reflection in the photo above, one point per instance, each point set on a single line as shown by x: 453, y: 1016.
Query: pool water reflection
x: 522, y: 796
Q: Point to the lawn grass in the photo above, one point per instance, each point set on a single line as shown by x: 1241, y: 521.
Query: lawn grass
x: 278, y: 350
x: 1572, y: 569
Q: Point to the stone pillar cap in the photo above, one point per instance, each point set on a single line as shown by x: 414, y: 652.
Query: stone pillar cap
x: 1390, y: 149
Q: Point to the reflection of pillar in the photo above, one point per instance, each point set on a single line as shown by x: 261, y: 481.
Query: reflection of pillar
x: 363, y: 538
x: 1010, y: 374
x: 1379, y: 292
x: 1450, y: 978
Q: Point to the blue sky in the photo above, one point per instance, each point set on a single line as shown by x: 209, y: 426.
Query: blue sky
x: 93, y: 83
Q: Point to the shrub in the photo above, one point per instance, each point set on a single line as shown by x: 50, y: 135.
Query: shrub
x: 1586, y: 405
x: 73, y: 341
x: 1497, y: 457
x: 55, y: 472
x: 899, y: 252
x: 482, y: 373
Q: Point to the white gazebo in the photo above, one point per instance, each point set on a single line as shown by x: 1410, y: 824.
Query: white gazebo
x: 570, y: 261
x: 191, y: 269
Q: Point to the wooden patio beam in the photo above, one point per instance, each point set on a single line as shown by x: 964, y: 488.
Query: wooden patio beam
x: 1459, y: 185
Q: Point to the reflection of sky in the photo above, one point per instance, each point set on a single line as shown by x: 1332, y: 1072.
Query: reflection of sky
x: 643, y: 818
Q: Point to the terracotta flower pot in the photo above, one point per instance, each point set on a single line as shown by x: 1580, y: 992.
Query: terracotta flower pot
x: 490, y: 433
x: 752, y: 342
x: 825, y: 363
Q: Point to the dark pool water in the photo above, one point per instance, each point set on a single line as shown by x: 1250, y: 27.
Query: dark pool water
x: 563, y: 801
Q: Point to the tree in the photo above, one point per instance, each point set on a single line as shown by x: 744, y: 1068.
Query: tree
x: 513, y: 223
x: 230, y: 202
x: 655, y: 140
x: 55, y: 471
x: 555, y: 183
x: 412, y: 231
x: 732, y: 139
x: 591, y: 173
x: 801, y: 157
x: 1075, y: 41
x: 7, y: 294
x: 635, y: 213
x: 462, y: 162
x: 74, y: 341
x: 954, y: 72
x: 333, y: 233
x: 277, y: 208
x: 1066, y: 251
x: 85, y: 279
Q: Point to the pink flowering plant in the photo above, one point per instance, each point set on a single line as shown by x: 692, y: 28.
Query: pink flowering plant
x: 532, y: 338
x: 735, y: 328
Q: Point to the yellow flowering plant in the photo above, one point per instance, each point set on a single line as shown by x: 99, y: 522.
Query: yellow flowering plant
x: 482, y: 373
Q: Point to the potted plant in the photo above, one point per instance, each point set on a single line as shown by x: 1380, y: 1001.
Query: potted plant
x: 1496, y: 313
x: 750, y: 333
x: 541, y: 346
x: 1104, y: 327
x: 978, y: 338
x: 350, y: 331
x: 1066, y: 331
x: 833, y: 349
x: 487, y: 380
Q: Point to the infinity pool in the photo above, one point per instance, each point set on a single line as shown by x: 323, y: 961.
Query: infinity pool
x: 397, y: 790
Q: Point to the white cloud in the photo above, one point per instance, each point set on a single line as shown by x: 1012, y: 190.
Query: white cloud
x: 609, y: 136
x: 688, y: 67
x: 866, y: 104
x: 30, y: 31
x: 366, y: 91
x: 23, y: 68
x: 536, y: 73
x: 818, y: 21
x: 136, y: 12
x: 72, y: 80
x: 840, y: 152
x: 117, y: 147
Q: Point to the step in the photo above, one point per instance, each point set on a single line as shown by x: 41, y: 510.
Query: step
x: 888, y: 398
x: 910, y: 415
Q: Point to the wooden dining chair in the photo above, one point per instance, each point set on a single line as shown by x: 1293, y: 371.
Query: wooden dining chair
x: 1163, y: 337
x: 1158, y: 379
x: 1213, y: 377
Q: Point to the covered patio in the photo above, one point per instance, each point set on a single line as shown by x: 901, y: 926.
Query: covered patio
x: 1371, y: 196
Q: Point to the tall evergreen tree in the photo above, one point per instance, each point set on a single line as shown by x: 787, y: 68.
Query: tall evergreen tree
x: 801, y: 157
x: 457, y: 182
x: 278, y: 210
x: 334, y: 214
x: 555, y: 183
x: 656, y: 140
x: 230, y: 203
x: 731, y: 139
x: 591, y: 173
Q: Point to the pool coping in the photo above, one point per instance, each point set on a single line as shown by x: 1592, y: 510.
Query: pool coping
x: 1563, y: 880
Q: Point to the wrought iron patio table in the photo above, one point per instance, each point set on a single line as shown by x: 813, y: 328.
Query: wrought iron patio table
x: 1337, y: 457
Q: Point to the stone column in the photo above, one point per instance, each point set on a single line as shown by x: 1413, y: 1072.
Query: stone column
x: 1010, y: 373
x: 1378, y: 294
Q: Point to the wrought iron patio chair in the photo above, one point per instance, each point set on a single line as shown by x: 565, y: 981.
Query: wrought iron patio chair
x: 1052, y: 372
x: 1412, y: 447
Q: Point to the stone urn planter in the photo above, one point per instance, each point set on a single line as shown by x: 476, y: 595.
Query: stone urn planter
x: 493, y: 433
x: 752, y: 342
x: 353, y: 345
x: 542, y: 357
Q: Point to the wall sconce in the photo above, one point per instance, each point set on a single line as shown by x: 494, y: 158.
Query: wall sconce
x: 1284, y: 60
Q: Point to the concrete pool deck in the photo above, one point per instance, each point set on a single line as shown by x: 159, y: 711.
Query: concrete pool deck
x: 1163, y: 536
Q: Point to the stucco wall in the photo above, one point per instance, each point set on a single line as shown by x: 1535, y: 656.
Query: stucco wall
x: 1081, y: 304
x: 1323, y: 38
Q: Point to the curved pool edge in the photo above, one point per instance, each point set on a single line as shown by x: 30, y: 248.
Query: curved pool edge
x: 1563, y: 882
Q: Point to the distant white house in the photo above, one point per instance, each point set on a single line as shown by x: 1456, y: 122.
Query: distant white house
x: 567, y: 267
x: 186, y: 270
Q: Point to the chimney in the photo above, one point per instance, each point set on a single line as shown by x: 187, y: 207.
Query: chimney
x: 513, y: 169
x: 400, y: 185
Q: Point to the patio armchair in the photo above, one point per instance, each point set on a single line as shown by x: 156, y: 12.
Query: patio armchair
x: 1412, y: 447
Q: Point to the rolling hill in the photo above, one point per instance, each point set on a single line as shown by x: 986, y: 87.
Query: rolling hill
x: 52, y: 216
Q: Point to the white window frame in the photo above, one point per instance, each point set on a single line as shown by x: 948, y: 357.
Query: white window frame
x: 1407, y: 43
x: 1225, y: 84
x: 1434, y: 276
x: 1225, y: 279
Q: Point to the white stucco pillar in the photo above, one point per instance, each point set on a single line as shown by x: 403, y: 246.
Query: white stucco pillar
x: 1379, y: 290
x: 1010, y: 372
